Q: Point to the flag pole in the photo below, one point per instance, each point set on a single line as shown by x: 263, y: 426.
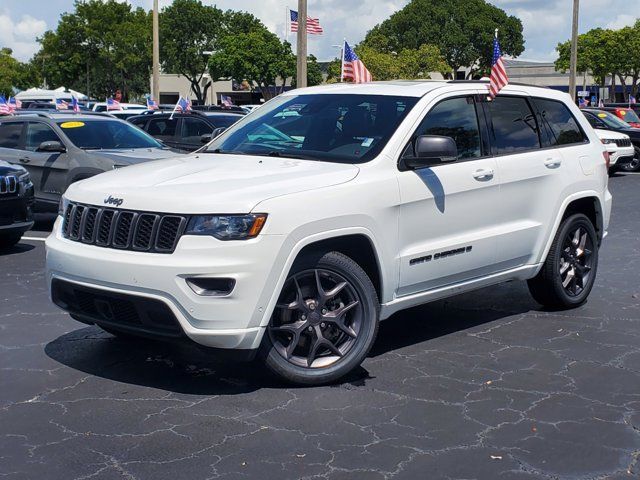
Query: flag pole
x: 342, y: 50
x: 174, y: 109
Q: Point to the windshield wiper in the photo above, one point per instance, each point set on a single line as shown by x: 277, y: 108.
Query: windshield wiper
x: 280, y: 154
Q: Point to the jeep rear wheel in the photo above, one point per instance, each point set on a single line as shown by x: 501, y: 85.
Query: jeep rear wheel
x: 633, y: 165
x: 568, y: 274
x: 324, y: 323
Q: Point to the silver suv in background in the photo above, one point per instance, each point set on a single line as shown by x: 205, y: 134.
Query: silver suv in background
x: 58, y: 149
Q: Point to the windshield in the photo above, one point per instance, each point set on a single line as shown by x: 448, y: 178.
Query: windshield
x: 629, y: 116
x: 333, y: 128
x: 224, y: 120
x: 609, y: 119
x: 106, y: 134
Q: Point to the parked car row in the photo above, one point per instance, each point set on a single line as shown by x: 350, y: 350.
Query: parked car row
x: 16, y: 201
x: 605, y: 120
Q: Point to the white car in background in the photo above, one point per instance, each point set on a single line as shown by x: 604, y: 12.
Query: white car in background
x: 618, y: 145
x: 129, y: 107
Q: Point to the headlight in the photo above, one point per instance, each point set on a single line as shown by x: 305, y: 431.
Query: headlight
x: 62, y: 206
x: 227, y: 227
x: 607, y: 141
x: 24, y: 178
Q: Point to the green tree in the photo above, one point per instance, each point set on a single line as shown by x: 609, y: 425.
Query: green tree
x: 257, y: 56
x: 626, y: 53
x: 102, y: 45
x: 14, y: 74
x: 462, y: 30
x: 314, y: 72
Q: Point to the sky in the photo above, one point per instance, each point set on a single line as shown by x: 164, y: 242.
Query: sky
x: 546, y: 22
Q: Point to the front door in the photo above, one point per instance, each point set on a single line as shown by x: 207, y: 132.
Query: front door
x: 449, y: 212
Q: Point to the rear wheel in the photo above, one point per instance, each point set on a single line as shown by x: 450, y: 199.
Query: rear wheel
x: 568, y: 274
x: 634, y: 165
x: 325, y: 322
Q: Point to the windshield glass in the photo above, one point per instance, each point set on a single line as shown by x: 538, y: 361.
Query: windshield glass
x: 225, y: 120
x: 629, y: 116
x: 333, y: 128
x: 106, y: 134
x: 610, y: 120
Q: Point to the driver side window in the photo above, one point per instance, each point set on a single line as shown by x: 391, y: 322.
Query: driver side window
x: 456, y: 118
x: 38, y: 133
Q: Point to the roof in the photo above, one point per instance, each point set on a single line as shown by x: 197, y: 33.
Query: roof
x: 410, y: 88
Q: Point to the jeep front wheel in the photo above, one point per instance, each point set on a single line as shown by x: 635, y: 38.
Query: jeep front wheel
x: 324, y: 323
x: 568, y: 273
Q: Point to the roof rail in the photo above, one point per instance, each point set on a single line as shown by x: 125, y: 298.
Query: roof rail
x: 518, y: 84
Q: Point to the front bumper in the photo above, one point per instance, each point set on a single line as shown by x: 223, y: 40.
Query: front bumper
x: 620, y: 156
x: 16, y: 213
x: 235, y: 321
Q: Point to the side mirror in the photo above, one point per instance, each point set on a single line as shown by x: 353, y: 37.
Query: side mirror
x: 432, y: 150
x: 51, y: 146
x: 206, y: 138
x: 218, y: 131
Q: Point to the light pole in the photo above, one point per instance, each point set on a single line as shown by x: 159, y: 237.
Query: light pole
x: 573, y: 65
x: 301, y: 60
x: 155, y: 87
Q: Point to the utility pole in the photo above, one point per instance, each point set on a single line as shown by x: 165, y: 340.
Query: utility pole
x: 155, y: 84
x: 301, y: 78
x: 573, y: 66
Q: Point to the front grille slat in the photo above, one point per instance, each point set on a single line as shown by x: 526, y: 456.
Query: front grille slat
x: 123, y: 229
x: 623, y: 142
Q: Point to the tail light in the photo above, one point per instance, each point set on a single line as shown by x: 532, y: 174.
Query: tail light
x: 607, y: 158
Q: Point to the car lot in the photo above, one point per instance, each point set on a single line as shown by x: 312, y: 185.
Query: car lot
x: 483, y: 385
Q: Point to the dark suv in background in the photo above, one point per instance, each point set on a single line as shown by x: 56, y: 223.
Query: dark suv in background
x: 605, y: 120
x: 58, y: 149
x: 16, y: 200
x: 185, y: 131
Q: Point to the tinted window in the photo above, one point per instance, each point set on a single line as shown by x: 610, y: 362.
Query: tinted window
x: 514, y: 125
x: 162, y: 127
x: 10, y: 135
x: 138, y: 122
x: 609, y: 119
x: 328, y: 127
x: 455, y: 118
x: 564, y: 127
x: 106, y: 134
x: 192, y: 127
x: 224, y: 120
x: 38, y: 133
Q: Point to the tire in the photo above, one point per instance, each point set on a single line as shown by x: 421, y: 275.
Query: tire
x: 550, y: 287
x: 634, y: 165
x: 318, y: 334
x: 9, y: 240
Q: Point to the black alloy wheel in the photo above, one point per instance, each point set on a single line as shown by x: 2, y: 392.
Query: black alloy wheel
x: 633, y: 165
x: 576, y: 260
x: 324, y: 323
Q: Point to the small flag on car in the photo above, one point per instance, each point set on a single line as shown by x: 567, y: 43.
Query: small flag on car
x: 14, y: 104
x: 4, y: 106
x: 313, y: 24
x: 583, y: 103
x: 74, y: 104
x: 352, y: 67
x: 152, y: 104
x: 183, y: 105
x: 61, y: 104
x: 498, y: 79
x: 226, y: 100
x: 113, y: 104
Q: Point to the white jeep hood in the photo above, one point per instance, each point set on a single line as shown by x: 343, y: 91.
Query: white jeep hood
x: 208, y: 183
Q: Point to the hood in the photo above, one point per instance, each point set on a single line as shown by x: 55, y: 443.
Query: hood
x: 208, y: 183
x: 132, y: 156
x: 8, y: 169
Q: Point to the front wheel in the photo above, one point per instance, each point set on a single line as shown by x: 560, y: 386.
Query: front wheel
x: 633, y: 165
x: 569, y: 271
x: 9, y: 240
x: 324, y: 323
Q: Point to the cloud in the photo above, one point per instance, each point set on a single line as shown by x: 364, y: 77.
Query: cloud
x: 21, y: 36
x: 622, y: 20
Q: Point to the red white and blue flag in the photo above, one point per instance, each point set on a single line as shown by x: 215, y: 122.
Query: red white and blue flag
x: 113, y: 104
x: 583, y: 103
x: 61, y: 104
x: 226, y: 100
x: 14, y: 104
x: 313, y: 24
x: 4, y: 106
x: 352, y: 67
x: 498, y: 79
x: 152, y: 104
x: 74, y: 104
x: 183, y: 106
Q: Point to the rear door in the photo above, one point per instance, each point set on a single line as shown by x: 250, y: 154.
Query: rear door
x: 49, y: 169
x: 449, y: 212
x: 164, y: 129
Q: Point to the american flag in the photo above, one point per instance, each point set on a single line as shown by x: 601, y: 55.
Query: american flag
x: 183, y: 105
x: 113, y: 104
x: 14, y: 104
x: 4, y: 106
x: 61, y: 104
x: 498, y: 79
x: 352, y: 66
x: 583, y: 103
x: 152, y: 104
x: 74, y: 104
x: 313, y: 24
x: 226, y: 100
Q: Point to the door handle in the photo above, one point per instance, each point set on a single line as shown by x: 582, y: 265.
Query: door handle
x: 552, y: 162
x: 25, y: 160
x: 483, y: 174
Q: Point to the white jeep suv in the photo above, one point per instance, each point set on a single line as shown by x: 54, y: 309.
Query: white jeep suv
x: 297, y: 230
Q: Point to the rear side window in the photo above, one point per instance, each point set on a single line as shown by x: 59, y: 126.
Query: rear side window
x: 10, y: 135
x: 162, y: 127
x: 455, y: 118
x: 514, y: 125
x: 562, y: 124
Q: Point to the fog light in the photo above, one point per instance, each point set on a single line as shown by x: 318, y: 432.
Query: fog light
x: 211, y: 287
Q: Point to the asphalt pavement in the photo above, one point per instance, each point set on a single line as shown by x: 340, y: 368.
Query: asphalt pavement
x: 484, y: 385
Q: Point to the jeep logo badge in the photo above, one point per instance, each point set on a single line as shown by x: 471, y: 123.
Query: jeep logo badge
x: 113, y: 201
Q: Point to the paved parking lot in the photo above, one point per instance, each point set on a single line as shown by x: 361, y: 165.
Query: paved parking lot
x: 484, y: 385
